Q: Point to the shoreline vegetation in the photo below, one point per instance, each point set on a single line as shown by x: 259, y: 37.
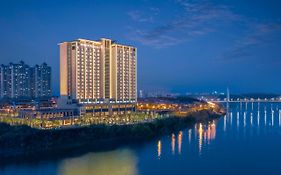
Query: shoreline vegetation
x: 23, y: 141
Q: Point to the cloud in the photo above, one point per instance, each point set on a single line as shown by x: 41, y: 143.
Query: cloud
x: 142, y: 17
x: 154, y: 10
x: 158, y: 42
x: 261, y: 35
x: 139, y: 17
x: 196, y: 19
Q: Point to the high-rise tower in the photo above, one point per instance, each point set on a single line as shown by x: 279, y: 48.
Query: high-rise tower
x: 98, y: 71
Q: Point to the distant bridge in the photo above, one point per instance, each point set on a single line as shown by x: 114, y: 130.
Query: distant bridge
x: 246, y: 101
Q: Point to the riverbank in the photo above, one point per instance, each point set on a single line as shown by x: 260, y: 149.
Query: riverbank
x: 20, y: 141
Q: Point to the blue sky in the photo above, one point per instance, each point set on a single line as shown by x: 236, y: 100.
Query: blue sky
x: 183, y: 45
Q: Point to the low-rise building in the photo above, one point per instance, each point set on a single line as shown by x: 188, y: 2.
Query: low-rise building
x: 55, y: 114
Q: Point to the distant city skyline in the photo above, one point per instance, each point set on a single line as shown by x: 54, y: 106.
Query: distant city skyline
x: 183, y: 46
x: 19, y: 80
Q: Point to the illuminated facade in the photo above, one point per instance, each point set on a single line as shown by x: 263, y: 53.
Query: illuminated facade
x: 98, y: 71
x: 20, y: 80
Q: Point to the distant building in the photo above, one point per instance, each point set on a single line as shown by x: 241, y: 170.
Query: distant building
x: 141, y: 94
x: 42, y: 80
x: 5, y: 81
x: 98, y: 71
x: 21, y: 80
x: 15, y: 80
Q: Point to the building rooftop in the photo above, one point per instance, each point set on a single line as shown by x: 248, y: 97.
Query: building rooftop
x: 97, y: 41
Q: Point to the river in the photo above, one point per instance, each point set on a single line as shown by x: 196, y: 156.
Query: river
x: 245, y: 141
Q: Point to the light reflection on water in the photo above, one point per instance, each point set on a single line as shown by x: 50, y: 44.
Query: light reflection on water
x: 235, y: 144
x: 159, y: 149
x: 119, y: 162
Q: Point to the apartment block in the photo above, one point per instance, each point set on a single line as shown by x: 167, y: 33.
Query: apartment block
x: 20, y: 80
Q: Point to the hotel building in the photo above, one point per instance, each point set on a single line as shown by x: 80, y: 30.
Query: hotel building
x: 98, y: 72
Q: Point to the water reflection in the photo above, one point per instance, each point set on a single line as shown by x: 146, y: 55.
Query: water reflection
x: 211, y: 131
x: 179, y: 141
x: 173, y: 142
x: 159, y: 149
x: 200, y: 133
x: 203, y: 132
x: 189, y: 135
x: 230, y: 118
x: 258, y: 118
x: 206, y: 132
x: 252, y: 117
x: 244, y: 117
x: 279, y: 117
x: 119, y: 162
x: 237, y: 119
x: 224, y: 123
x: 265, y: 117
x: 272, y: 118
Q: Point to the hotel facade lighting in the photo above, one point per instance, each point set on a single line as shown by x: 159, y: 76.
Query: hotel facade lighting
x: 98, y: 71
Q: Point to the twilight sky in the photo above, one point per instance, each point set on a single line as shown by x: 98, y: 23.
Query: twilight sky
x: 183, y: 45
